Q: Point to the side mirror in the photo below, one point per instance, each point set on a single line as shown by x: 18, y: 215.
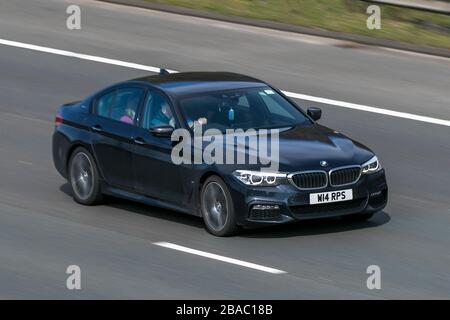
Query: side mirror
x: 162, y: 131
x: 314, y: 113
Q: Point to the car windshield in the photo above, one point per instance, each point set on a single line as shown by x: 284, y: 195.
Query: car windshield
x: 255, y: 108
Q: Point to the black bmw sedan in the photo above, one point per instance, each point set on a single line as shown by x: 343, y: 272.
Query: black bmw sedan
x: 157, y: 140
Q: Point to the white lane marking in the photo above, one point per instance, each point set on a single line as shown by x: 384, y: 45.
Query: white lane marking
x: 15, y: 115
x: 361, y: 107
x: 81, y: 56
x: 25, y: 162
x: 290, y: 94
x: 218, y: 257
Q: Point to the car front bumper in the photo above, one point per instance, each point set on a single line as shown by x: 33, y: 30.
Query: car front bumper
x: 258, y: 206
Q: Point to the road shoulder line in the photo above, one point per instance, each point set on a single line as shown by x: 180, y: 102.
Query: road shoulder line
x: 294, y: 95
x: 219, y: 257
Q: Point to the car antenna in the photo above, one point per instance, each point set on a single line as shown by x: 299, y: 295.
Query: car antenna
x: 163, y: 71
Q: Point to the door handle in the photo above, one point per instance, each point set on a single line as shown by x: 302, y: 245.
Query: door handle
x: 97, y: 128
x: 139, y: 141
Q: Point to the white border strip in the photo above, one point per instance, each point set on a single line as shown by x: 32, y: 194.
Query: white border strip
x: 361, y: 107
x: 81, y: 56
x: 218, y: 257
x: 131, y: 65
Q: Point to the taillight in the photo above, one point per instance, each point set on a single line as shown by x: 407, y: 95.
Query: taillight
x: 58, y: 120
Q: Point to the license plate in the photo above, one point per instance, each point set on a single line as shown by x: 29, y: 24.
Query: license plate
x: 332, y: 196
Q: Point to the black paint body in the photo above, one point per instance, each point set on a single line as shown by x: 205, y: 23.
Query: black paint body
x: 145, y: 172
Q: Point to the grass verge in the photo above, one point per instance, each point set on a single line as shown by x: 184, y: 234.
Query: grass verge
x: 401, y: 24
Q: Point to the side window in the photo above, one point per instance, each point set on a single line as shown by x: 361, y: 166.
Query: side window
x: 157, y: 111
x: 120, y: 105
x: 125, y: 104
x: 103, y: 104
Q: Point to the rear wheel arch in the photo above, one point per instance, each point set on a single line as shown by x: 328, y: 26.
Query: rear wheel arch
x: 84, y: 172
x: 72, y: 149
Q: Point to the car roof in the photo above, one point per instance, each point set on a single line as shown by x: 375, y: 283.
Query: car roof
x: 198, y: 82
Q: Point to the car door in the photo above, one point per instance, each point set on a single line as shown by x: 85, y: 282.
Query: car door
x: 155, y: 174
x: 112, y: 125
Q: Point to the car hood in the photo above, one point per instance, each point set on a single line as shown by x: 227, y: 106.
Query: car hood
x: 304, y: 147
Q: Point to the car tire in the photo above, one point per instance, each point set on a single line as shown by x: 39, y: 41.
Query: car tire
x: 217, y: 208
x: 84, y: 178
x: 358, y: 217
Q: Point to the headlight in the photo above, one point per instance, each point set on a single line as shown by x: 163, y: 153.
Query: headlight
x: 259, y: 178
x: 373, y: 165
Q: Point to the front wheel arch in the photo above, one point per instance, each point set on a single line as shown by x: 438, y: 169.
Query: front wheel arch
x: 230, y: 226
x: 200, y: 184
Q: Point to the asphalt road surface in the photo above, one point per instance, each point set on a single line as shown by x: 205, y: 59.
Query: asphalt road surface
x: 42, y: 231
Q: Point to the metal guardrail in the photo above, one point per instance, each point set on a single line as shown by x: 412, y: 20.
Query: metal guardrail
x: 441, y: 6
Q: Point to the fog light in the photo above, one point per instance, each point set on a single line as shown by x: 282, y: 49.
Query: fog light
x: 265, y: 212
x: 266, y: 207
x: 378, y: 199
x: 375, y: 194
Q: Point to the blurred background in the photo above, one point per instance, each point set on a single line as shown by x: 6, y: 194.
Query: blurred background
x: 422, y: 22
x: 371, y: 93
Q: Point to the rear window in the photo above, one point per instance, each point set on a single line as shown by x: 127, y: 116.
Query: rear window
x: 120, y: 105
x: 103, y: 104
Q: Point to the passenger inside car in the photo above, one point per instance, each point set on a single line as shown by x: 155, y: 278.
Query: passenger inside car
x: 128, y: 116
x: 125, y: 106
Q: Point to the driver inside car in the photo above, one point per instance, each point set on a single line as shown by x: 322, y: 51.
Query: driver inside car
x: 164, y: 116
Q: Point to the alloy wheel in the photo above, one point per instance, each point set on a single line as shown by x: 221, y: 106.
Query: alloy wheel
x: 215, y: 206
x: 81, y: 176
